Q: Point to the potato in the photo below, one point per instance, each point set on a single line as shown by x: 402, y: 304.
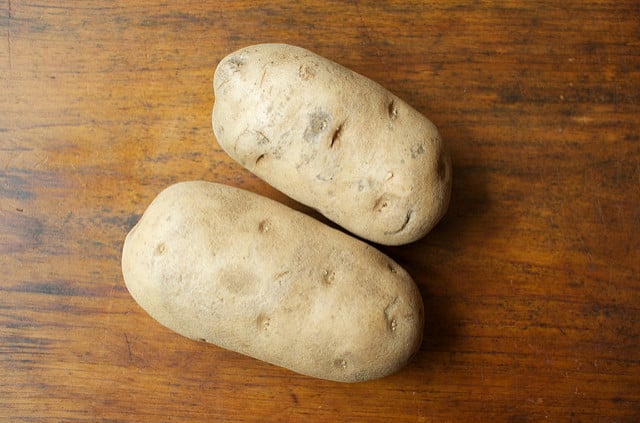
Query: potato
x: 333, y: 140
x: 226, y: 266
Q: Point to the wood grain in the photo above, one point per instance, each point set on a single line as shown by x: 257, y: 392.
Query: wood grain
x: 531, y: 282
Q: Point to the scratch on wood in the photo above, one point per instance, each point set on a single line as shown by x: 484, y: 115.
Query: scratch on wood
x: 599, y: 210
x: 126, y: 338
x: 367, y: 31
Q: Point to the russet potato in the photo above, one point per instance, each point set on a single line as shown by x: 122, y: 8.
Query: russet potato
x: 226, y: 266
x: 332, y: 139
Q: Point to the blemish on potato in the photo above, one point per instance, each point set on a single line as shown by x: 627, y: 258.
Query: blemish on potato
x: 328, y: 276
x: 261, y: 138
x: 389, y: 312
x: 324, y: 177
x: 336, y: 135
x: 281, y: 275
x: 392, y: 110
x: 381, y: 203
x: 417, y: 151
x: 305, y: 72
x: 263, y: 322
x: 236, y: 62
x: 318, y: 123
x: 340, y: 363
x: 160, y: 249
x: 236, y: 280
x: 404, y: 224
x: 264, y: 73
x: 260, y: 157
x: 407, y: 219
x: 391, y: 268
x: 264, y: 226
x: 390, y: 307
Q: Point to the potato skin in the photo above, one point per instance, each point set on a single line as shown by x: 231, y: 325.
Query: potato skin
x: 246, y: 273
x: 332, y: 139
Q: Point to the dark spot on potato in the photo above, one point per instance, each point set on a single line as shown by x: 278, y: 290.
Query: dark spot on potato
x: 202, y: 340
x: 235, y: 63
x: 261, y: 138
x: 318, y: 123
x: 160, y: 249
x: 391, y: 268
x: 237, y: 281
x: 389, y: 312
x: 392, y: 110
x: 328, y: 276
x: 232, y: 65
x: 306, y: 73
x: 260, y: 157
x: 408, y: 218
x: 263, y: 322
x: 340, y: 363
x: 381, y: 203
x: 336, y: 135
x: 264, y: 226
x: 417, y: 151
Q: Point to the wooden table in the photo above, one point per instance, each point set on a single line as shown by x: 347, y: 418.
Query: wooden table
x: 531, y: 283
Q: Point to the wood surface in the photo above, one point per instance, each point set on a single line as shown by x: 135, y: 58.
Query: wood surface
x: 531, y: 283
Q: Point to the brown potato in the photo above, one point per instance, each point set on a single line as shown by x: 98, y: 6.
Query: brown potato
x: 246, y: 273
x: 333, y: 140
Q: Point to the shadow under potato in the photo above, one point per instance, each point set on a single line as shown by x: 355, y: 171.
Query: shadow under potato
x: 429, y: 261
